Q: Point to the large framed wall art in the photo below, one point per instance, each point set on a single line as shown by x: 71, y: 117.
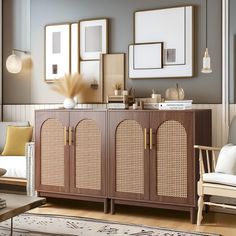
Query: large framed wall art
x: 57, y: 51
x: 173, y: 28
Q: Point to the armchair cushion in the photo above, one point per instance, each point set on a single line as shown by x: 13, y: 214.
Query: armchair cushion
x: 15, y: 166
x: 3, y: 130
x: 16, y: 139
x: 220, y: 178
x: 226, y: 162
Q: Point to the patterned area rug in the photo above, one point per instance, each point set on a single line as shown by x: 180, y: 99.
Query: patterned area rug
x: 36, y: 225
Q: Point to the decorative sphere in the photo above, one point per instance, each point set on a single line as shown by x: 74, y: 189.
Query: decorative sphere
x: 14, y: 64
x: 174, y: 94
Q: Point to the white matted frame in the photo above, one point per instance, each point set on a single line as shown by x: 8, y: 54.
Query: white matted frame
x: 93, y: 38
x: 74, y: 67
x: 57, y: 51
x: 113, y: 72
x: 173, y: 27
x: 147, y: 55
x: 93, y: 90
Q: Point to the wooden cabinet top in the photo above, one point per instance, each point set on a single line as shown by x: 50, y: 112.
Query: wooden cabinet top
x: 118, y: 110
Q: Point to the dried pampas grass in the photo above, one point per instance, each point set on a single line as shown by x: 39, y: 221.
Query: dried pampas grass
x: 69, y: 85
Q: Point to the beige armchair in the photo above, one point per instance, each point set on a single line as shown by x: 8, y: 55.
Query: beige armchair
x: 217, y: 173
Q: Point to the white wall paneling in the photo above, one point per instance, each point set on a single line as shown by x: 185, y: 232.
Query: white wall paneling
x: 26, y: 112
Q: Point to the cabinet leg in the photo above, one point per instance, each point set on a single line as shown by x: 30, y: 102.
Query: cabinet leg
x: 106, y: 206
x: 193, y: 215
x: 112, y: 207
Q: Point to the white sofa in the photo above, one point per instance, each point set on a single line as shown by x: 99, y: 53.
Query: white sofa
x: 19, y: 169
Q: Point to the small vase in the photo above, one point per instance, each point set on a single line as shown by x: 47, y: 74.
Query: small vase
x: 116, y: 92
x: 69, y: 103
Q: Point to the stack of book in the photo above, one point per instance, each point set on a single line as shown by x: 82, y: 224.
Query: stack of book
x: 2, y: 203
x: 119, y: 102
x: 176, y: 105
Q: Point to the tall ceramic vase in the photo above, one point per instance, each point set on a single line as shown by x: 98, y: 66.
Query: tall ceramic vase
x: 69, y: 103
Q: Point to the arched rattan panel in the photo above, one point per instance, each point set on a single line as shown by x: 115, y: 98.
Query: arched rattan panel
x: 129, y: 157
x: 88, y: 155
x: 172, y: 160
x: 52, y: 153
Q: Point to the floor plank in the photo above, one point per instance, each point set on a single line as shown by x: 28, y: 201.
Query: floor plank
x: 224, y: 224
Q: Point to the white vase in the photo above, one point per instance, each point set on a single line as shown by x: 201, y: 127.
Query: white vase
x: 116, y: 92
x: 69, y: 103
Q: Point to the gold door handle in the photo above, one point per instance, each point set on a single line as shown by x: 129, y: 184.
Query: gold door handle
x: 150, y: 138
x: 145, y: 138
x: 65, y: 135
x: 70, y: 136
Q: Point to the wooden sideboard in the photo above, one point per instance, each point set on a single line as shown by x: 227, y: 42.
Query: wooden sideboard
x: 71, y: 154
x: 141, y: 157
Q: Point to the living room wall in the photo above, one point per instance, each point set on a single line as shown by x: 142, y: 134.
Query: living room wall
x: 202, y: 88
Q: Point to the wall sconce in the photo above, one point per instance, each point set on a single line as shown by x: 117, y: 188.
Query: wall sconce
x: 14, y: 62
x: 206, y: 62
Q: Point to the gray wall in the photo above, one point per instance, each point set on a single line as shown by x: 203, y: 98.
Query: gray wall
x: 16, y: 34
x: 202, y: 88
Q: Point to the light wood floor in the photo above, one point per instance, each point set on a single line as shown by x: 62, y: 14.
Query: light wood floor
x: 224, y: 224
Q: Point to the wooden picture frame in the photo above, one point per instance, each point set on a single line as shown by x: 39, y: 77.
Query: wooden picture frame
x: 113, y: 71
x: 57, y: 51
x: 93, y: 38
x: 93, y: 89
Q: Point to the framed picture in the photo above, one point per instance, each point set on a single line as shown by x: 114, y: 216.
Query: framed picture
x: 74, y: 67
x: 57, y: 51
x: 93, y: 90
x: 93, y: 38
x: 174, y: 28
x: 113, y: 72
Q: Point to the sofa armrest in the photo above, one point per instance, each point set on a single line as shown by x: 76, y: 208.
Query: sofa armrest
x: 30, y: 169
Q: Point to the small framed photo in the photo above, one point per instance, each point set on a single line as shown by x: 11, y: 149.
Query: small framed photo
x: 113, y: 72
x: 57, y: 51
x: 93, y: 89
x: 147, y: 56
x: 93, y: 38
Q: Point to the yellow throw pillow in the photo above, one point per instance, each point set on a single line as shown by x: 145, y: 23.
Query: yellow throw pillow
x: 16, y: 139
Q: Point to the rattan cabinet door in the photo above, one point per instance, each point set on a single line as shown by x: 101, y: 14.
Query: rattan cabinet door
x: 128, y: 158
x: 171, y: 158
x: 51, y: 151
x: 88, y: 153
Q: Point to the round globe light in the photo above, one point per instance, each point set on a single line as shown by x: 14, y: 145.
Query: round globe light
x: 14, y: 64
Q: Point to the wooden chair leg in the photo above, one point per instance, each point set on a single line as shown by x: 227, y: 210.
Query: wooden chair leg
x: 200, y: 208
